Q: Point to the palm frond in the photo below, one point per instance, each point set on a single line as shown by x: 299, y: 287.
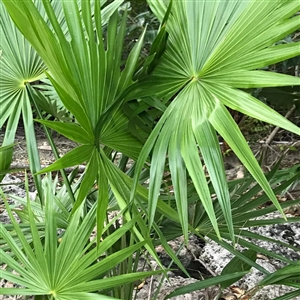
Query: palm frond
x: 209, y: 67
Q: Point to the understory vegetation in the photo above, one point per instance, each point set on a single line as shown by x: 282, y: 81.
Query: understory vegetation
x: 155, y: 95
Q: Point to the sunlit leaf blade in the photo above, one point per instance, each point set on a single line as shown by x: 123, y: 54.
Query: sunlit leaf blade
x: 73, y: 106
x: 74, y: 64
x: 264, y: 32
x: 103, y: 194
x: 88, y: 180
x: 85, y: 72
x: 82, y: 268
x: 74, y: 157
x: 40, y: 36
x: 50, y: 252
x: 157, y: 170
x: 210, y: 150
x: 247, y: 104
x: 67, y: 266
x: 27, y: 257
x: 86, y: 296
x: 252, y: 79
x: 196, y: 171
x: 269, y: 56
x: 231, y: 32
x: 228, y: 129
x: 19, y: 63
x: 70, y: 250
x: 178, y: 172
x: 40, y: 262
x: 70, y: 130
x: 159, y: 8
x: 108, y: 283
x: 108, y: 10
x: 31, y: 143
x: 102, y: 267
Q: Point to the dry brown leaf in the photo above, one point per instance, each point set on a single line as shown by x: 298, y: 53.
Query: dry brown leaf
x: 229, y: 296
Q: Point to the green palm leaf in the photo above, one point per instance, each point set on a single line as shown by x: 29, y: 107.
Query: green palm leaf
x: 86, y: 74
x: 63, y: 268
x: 214, y: 48
x: 22, y: 71
x: 20, y: 65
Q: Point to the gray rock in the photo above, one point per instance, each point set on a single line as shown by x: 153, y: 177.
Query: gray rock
x: 216, y: 257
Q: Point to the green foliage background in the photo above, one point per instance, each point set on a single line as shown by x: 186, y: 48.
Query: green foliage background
x: 161, y: 111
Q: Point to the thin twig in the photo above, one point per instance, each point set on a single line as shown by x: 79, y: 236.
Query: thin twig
x: 272, y: 136
x: 276, y: 129
x: 205, y: 265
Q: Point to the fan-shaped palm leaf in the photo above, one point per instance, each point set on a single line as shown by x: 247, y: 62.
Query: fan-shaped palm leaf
x: 20, y: 65
x: 66, y: 268
x: 85, y: 70
x: 22, y: 69
x: 214, y: 49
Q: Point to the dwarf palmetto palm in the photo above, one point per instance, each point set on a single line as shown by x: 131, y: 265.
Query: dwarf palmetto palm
x: 21, y: 69
x: 85, y: 71
x: 20, y: 64
x: 22, y: 74
x: 64, y: 268
x: 215, y: 49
